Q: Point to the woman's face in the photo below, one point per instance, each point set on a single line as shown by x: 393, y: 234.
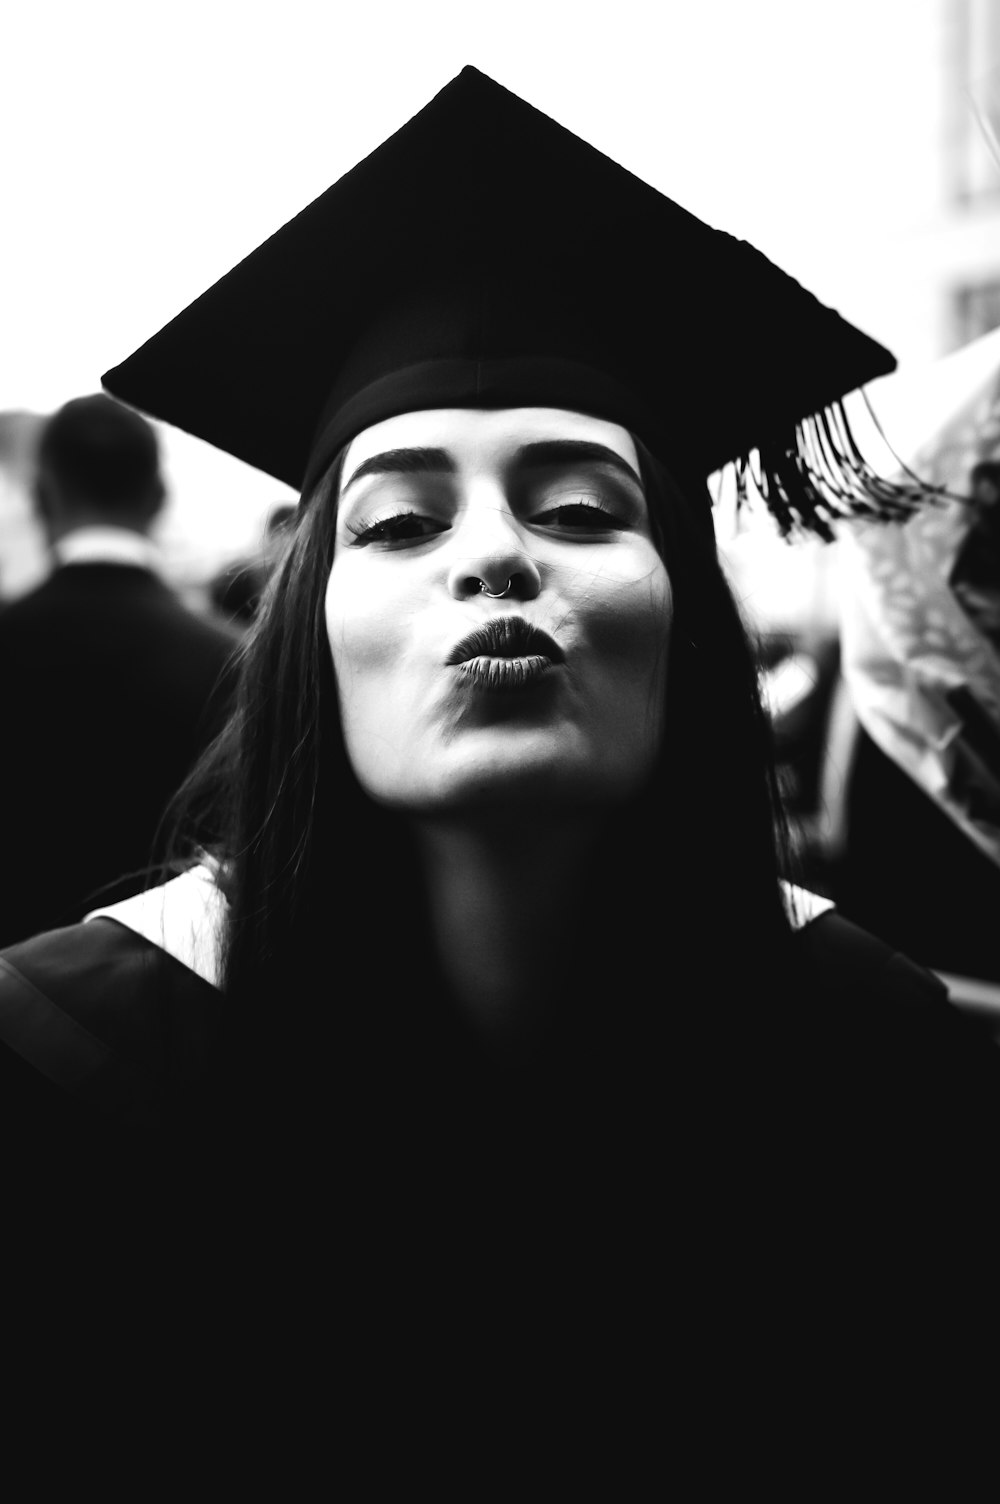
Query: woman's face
x: 562, y: 699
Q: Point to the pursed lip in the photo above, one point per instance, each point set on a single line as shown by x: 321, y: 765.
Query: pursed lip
x: 506, y: 637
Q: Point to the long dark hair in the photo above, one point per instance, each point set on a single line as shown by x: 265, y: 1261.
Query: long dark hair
x: 304, y: 854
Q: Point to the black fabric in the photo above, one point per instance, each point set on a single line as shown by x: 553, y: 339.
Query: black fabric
x: 864, y: 1042
x: 489, y: 247
x: 149, y: 1009
x: 911, y: 875
x: 766, y: 1258
x: 111, y: 689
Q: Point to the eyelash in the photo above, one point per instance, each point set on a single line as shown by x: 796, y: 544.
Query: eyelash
x: 386, y: 529
x: 391, y: 529
x: 609, y: 521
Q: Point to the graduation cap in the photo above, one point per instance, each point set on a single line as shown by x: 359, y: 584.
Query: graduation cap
x: 485, y: 256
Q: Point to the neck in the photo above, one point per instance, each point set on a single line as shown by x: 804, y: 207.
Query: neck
x: 508, y: 914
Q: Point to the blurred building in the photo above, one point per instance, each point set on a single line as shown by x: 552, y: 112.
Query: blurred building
x: 924, y: 279
x: 961, y: 250
x: 910, y: 246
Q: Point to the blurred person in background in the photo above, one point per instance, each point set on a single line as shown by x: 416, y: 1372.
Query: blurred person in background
x: 975, y: 575
x: 111, y: 686
x: 236, y: 590
x: 799, y: 691
x: 908, y: 836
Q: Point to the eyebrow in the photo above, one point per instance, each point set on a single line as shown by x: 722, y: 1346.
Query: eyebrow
x: 404, y: 462
x: 573, y: 452
x: 541, y: 453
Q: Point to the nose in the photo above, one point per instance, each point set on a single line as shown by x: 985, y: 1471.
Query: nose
x: 493, y: 560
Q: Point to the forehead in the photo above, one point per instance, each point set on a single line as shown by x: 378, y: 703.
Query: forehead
x: 476, y: 436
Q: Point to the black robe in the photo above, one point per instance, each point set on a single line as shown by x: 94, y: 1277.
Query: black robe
x: 106, y: 1037
x: 741, y: 1216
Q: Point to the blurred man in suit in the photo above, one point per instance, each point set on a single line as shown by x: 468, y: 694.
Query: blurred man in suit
x: 111, y: 687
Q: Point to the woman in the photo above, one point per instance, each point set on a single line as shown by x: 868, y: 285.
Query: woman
x: 483, y: 881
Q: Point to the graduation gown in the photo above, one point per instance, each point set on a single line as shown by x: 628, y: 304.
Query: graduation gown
x: 741, y: 1236
x: 104, y: 1031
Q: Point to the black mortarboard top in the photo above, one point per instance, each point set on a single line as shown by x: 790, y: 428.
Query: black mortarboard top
x: 485, y: 256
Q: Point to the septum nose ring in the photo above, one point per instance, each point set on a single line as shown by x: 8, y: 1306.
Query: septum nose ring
x: 495, y: 595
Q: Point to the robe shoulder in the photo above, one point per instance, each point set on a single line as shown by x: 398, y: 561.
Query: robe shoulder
x: 103, y: 1014
x: 862, y: 991
x: 99, y: 1030
x: 888, y: 1031
x: 857, y: 966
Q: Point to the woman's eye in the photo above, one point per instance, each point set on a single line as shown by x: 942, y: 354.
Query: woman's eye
x: 402, y: 527
x: 581, y: 516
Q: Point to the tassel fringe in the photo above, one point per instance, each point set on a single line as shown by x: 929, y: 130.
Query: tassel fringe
x: 822, y: 478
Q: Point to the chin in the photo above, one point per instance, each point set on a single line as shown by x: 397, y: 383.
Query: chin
x: 515, y: 783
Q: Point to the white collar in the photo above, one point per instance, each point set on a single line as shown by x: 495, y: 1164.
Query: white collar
x: 802, y: 906
x: 107, y: 545
x: 184, y: 917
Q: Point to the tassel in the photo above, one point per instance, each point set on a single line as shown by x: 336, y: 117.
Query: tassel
x: 819, y: 477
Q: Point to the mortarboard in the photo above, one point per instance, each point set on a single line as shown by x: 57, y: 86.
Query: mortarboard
x: 485, y: 256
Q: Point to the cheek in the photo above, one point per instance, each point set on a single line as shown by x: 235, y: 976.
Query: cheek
x: 358, y: 628
x: 632, y: 623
